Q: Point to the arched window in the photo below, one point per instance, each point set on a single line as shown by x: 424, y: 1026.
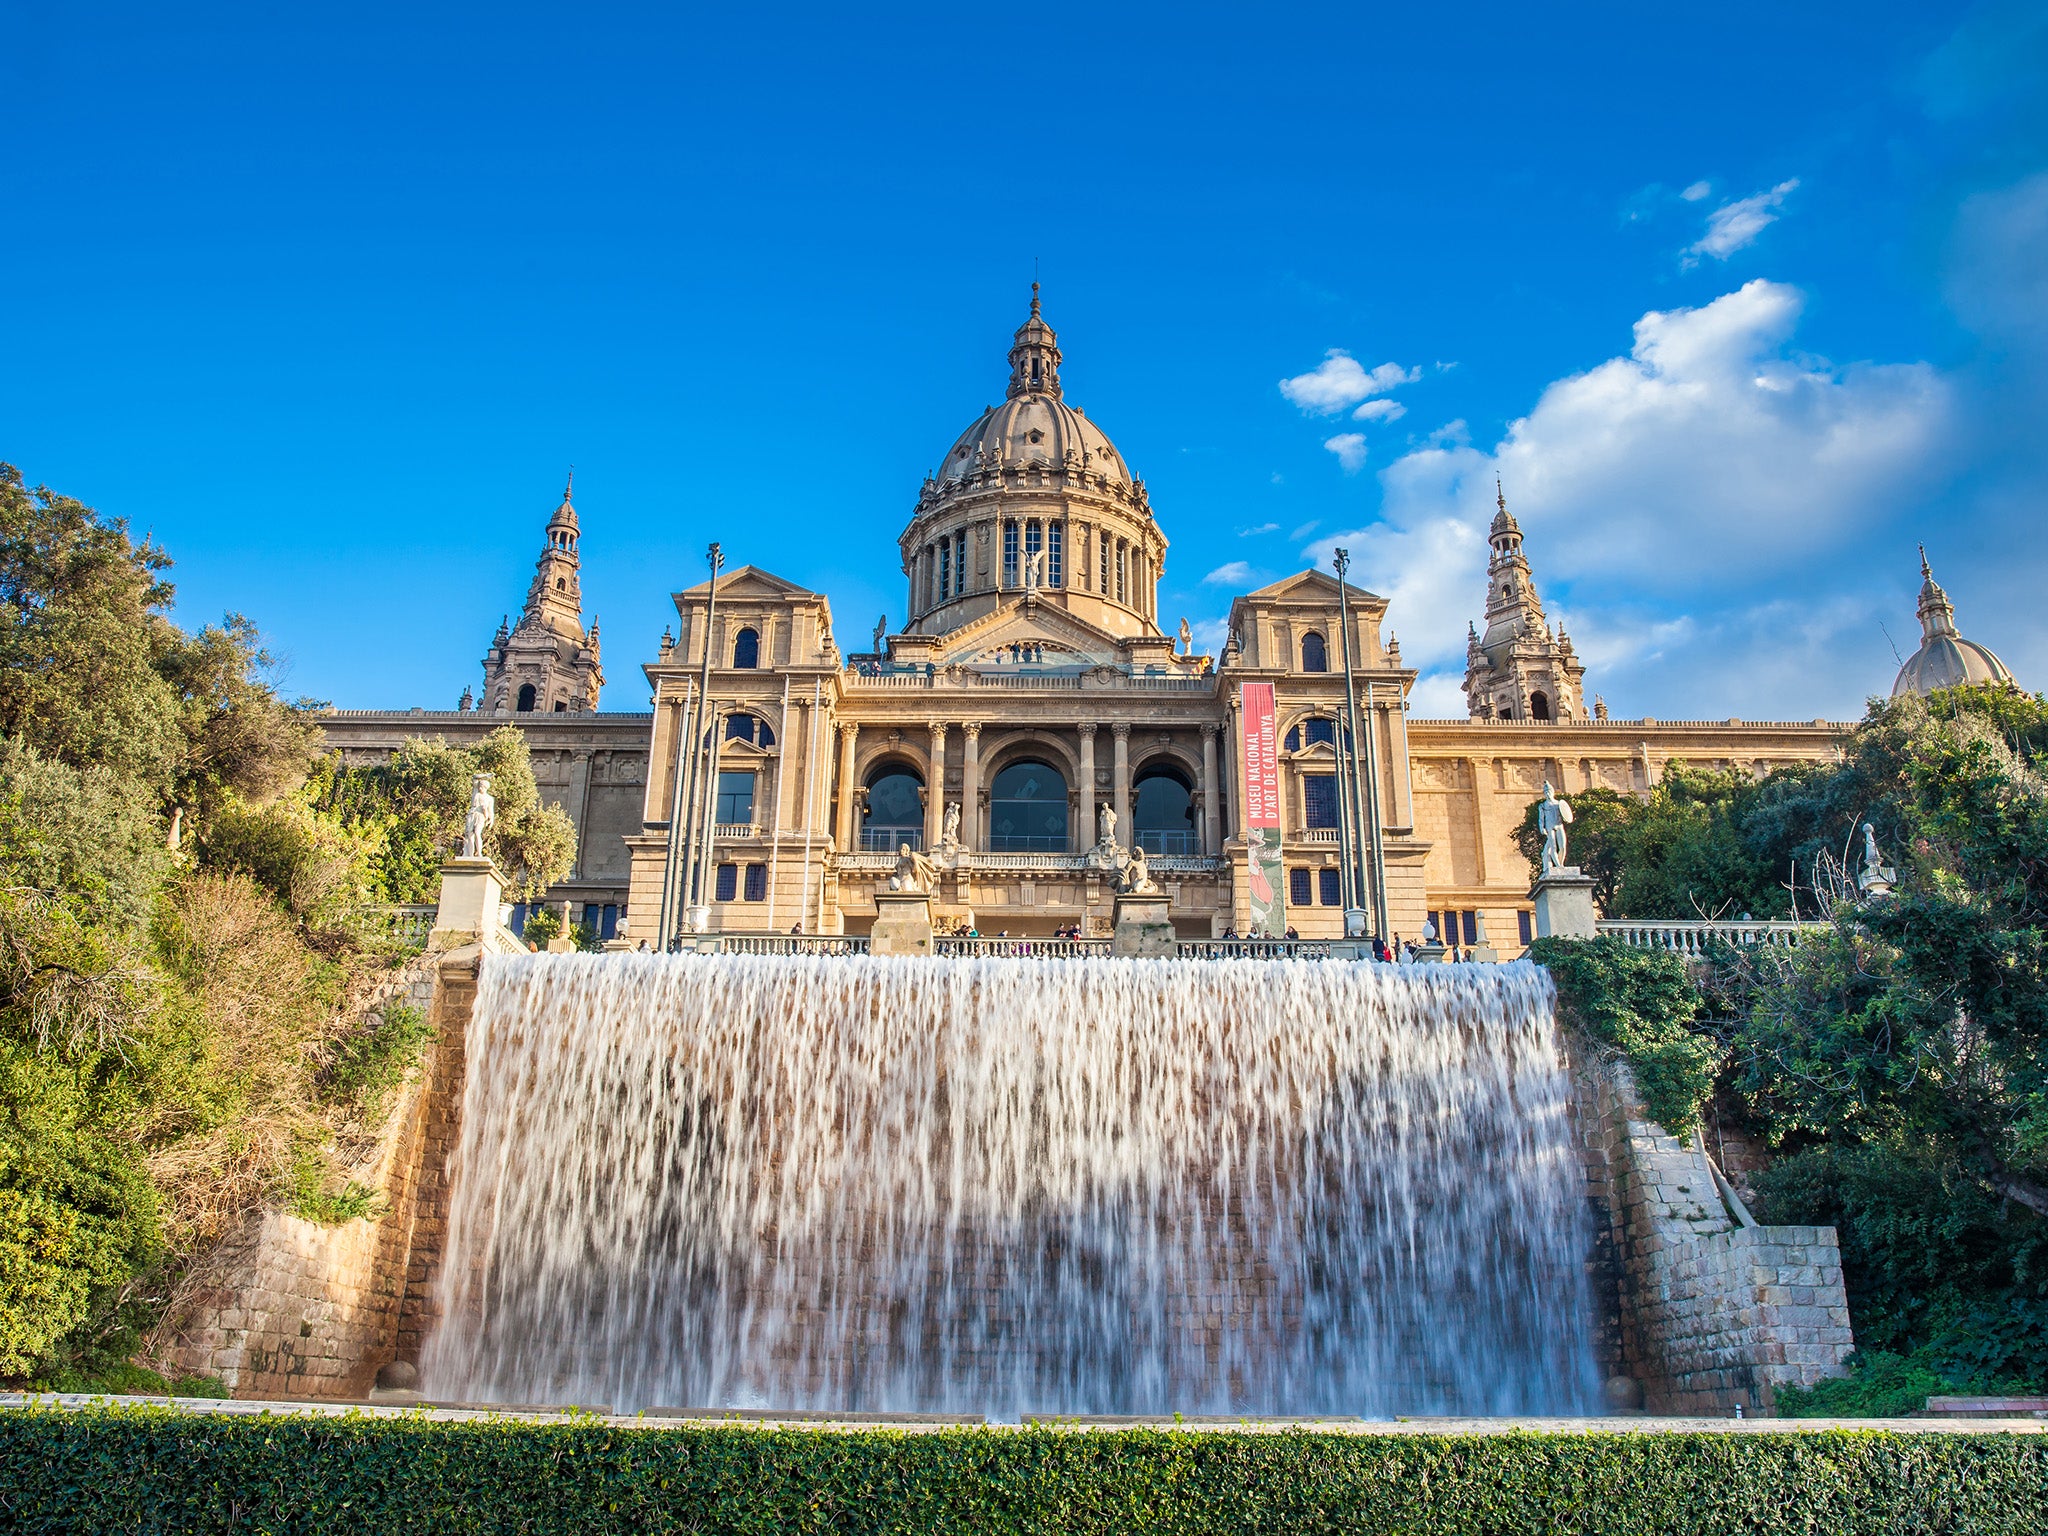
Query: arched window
x: 746, y: 649
x: 1320, y: 732
x: 1539, y: 706
x: 1163, y: 812
x: 895, y: 812
x: 526, y: 697
x: 561, y: 584
x: 1315, y: 655
x: 1027, y: 810
x: 752, y: 728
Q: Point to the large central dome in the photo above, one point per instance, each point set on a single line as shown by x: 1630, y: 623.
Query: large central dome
x: 1033, y: 500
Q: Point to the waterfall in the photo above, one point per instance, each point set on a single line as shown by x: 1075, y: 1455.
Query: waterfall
x: 1014, y: 1186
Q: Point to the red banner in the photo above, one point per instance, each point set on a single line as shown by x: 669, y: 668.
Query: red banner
x: 1261, y: 757
x: 1260, y: 754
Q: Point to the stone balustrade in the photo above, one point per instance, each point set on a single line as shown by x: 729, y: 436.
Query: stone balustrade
x: 1693, y: 938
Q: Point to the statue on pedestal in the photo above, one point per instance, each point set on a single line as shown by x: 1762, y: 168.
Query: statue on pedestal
x: 1133, y: 878
x: 482, y: 813
x: 1034, y: 565
x: 1552, y: 817
x: 914, y: 872
x: 1105, y: 822
x: 1876, y: 878
x: 949, y: 838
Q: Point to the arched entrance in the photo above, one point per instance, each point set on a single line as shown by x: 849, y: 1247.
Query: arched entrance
x: 1163, y: 812
x: 895, y: 810
x: 1027, y: 809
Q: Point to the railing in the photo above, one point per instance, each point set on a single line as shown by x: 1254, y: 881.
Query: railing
x: 1254, y: 949
x: 1042, y: 682
x: 1020, y: 949
x: 1317, y: 837
x: 886, y: 839
x: 790, y: 944
x: 734, y: 831
x: 409, y: 925
x: 1184, y: 864
x: 878, y: 863
x: 866, y: 863
x: 1693, y: 938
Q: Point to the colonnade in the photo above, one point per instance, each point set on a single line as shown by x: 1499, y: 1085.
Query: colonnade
x: 1208, y: 793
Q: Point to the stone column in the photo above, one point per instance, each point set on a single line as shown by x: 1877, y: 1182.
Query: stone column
x: 935, y: 790
x: 1212, y: 796
x: 970, y: 785
x: 844, y: 833
x: 1120, y: 783
x: 577, y: 803
x: 1087, y: 786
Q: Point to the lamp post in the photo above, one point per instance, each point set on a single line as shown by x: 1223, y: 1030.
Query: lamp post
x: 694, y: 795
x: 1352, y: 841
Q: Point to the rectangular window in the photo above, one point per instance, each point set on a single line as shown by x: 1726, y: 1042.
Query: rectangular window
x: 735, y: 800
x: 1322, y: 733
x: 960, y: 562
x: 1297, y: 887
x: 1055, y: 564
x: 1526, y: 928
x: 1330, y: 887
x: 1102, y: 545
x: 1123, y: 566
x: 1319, y: 799
x: 945, y: 569
x: 1471, y: 927
x: 757, y: 882
x: 608, y: 923
x: 728, y: 883
x: 1034, y: 535
x: 1010, y: 553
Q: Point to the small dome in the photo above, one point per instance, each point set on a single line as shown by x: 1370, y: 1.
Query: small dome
x: 1945, y: 659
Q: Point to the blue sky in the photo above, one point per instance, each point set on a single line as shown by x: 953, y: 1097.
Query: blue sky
x: 1741, y: 303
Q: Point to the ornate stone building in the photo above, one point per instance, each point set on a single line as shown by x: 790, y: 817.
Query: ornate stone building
x: 1031, y: 689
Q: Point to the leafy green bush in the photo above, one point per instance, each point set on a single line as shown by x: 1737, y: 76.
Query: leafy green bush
x: 1640, y: 1002
x: 1878, y: 1386
x: 364, y: 1063
x: 152, y: 1469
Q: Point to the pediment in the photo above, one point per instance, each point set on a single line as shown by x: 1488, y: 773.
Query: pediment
x: 1311, y: 586
x: 1073, y: 641
x: 749, y: 584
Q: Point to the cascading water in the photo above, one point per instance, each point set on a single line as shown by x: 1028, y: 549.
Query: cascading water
x: 1002, y: 1186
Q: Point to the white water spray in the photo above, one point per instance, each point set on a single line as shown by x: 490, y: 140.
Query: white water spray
x: 1003, y: 1186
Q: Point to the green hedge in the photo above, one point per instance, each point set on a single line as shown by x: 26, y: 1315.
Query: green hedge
x: 144, y: 1470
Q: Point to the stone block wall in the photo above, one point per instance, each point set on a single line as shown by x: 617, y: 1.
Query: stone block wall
x: 292, y: 1308
x: 1708, y: 1311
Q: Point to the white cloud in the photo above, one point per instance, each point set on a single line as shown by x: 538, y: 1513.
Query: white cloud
x: 1341, y: 381
x: 1307, y: 528
x: 1681, y: 503
x: 1233, y: 573
x: 1696, y: 191
x: 1380, y: 410
x: 1248, y: 533
x: 1350, y: 450
x: 1735, y: 225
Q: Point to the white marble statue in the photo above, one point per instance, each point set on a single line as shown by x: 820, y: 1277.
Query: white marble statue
x: 1034, y: 567
x: 1876, y: 878
x: 914, y: 872
x: 482, y: 813
x: 949, y: 838
x: 1105, y: 823
x: 1187, y: 639
x: 1552, y: 817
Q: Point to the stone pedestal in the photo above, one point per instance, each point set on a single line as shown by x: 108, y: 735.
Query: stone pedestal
x: 472, y: 901
x: 1143, y: 929
x: 903, y: 923
x: 1564, y: 904
x: 1430, y: 954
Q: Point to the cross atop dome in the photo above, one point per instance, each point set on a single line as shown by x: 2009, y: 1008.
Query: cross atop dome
x: 1035, y: 356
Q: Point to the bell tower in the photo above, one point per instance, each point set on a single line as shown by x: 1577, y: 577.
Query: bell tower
x: 1519, y: 669
x: 548, y: 662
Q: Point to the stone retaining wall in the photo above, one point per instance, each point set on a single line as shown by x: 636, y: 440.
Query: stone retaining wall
x: 1711, y: 1313
x: 294, y: 1308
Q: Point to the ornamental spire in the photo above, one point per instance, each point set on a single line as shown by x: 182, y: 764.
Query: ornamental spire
x: 1035, y: 356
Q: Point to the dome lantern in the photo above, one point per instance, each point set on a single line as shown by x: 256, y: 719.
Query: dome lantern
x: 1945, y: 659
x: 1035, y: 356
